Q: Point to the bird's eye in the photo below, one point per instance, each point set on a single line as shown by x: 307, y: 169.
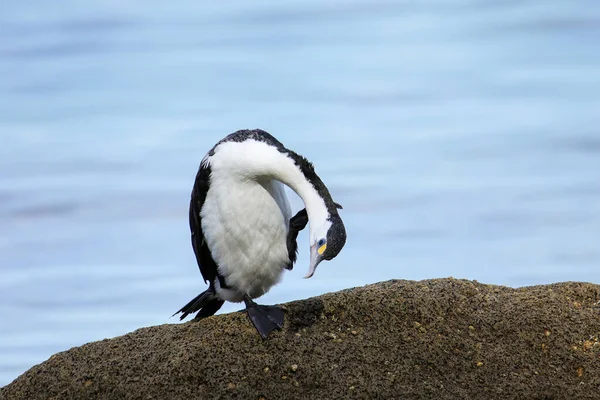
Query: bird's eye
x: 321, y: 242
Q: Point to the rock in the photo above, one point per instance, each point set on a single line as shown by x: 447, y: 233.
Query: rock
x: 435, y: 339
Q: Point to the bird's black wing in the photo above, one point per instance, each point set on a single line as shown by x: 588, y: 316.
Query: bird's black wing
x: 207, y: 265
x: 297, y: 223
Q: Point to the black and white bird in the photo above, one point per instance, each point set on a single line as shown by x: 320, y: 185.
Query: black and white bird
x: 243, y: 232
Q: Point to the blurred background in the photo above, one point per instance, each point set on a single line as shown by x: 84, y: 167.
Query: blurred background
x: 460, y: 136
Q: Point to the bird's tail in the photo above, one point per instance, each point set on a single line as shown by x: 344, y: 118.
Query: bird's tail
x: 207, y: 303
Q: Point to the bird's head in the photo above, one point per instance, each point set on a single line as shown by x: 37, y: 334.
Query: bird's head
x: 326, y: 238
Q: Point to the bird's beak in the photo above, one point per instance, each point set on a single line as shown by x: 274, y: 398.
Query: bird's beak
x: 315, y: 259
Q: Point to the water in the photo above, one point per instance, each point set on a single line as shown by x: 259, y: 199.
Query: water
x: 461, y: 137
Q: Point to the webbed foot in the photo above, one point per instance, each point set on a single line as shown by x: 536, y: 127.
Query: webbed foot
x: 264, y: 318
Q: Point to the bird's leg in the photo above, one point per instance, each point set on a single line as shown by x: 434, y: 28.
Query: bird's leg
x: 264, y: 318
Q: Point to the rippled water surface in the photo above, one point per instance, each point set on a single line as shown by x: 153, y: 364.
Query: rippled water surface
x: 460, y: 136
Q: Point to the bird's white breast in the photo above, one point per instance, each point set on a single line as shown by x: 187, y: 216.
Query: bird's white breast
x: 245, y: 223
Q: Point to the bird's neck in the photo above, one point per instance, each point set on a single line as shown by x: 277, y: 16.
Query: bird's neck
x: 313, y: 200
x: 269, y: 163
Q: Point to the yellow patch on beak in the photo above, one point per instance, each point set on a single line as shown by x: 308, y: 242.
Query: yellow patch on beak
x: 322, y: 249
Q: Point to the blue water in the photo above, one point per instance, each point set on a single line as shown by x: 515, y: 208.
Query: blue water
x: 461, y: 137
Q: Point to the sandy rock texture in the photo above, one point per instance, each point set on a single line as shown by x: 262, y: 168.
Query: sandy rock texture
x: 434, y: 339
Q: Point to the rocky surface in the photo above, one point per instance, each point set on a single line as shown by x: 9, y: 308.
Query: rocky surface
x: 436, y: 339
